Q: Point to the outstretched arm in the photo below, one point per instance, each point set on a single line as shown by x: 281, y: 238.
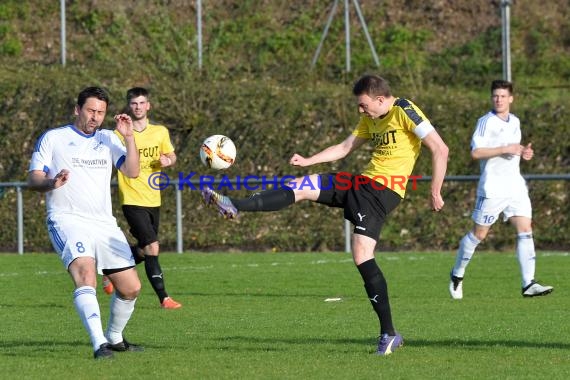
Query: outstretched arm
x: 439, y: 154
x: 332, y: 153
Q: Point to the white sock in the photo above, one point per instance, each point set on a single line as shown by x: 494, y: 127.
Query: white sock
x: 465, y: 252
x: 87, y: 306
x: 526, y: 256
x: 121, y: 311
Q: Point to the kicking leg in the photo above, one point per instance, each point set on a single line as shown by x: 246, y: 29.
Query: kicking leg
x: 298, y: 189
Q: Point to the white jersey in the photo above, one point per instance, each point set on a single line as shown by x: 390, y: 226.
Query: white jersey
x: 90, y: 160
x: 500, y: 176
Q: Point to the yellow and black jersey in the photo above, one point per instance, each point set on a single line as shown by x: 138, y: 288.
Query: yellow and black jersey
x: 151, y: 142
x: 396, y: 143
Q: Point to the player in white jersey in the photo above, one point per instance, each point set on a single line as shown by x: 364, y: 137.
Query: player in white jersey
x: 496, y: 142
x: 73, y: 165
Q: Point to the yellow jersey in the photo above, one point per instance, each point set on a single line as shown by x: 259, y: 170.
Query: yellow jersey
x: 151, y: 142
x: 396, y: 145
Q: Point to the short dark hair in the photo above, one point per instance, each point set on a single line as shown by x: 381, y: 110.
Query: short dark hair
x: 372, y: 85
x: 135, y: 92
x: 92, y: 92
x: 502, y: 84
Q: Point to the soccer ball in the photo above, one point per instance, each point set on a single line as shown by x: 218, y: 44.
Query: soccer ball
x: 218, y: 152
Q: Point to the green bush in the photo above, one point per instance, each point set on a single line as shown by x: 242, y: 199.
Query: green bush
x: 256, y: 86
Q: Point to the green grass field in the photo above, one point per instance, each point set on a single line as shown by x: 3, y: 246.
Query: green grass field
x: 264, y: 316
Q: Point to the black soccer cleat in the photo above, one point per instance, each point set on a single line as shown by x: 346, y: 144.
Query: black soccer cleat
x: 104, y: 352
x: 126, y: 346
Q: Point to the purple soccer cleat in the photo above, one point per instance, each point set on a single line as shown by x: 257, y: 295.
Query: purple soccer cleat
x: 389, y: 343
x: 222, y: 202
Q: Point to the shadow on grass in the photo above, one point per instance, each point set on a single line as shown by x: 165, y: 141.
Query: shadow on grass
x: 34, y: 306
x: 456, y: 343
x: 33, y: 348
x: 445, y: 343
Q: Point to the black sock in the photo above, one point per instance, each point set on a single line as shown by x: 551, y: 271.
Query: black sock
x: 268, y: 200
x: 154, y: 275
x: 377, y: 290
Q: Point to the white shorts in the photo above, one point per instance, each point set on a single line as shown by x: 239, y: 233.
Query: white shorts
x: 74, y: 236
x: 487, y: 210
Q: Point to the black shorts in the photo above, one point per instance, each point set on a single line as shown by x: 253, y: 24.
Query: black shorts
x: 143, y: 223
x: 366, y: 205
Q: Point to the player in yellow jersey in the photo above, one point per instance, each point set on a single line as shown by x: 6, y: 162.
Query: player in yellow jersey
x: 141, y: 202
x: 396, y: 127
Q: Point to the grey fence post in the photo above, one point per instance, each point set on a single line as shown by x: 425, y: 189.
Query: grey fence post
x: 20, y: 206
x: 179, y: 240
